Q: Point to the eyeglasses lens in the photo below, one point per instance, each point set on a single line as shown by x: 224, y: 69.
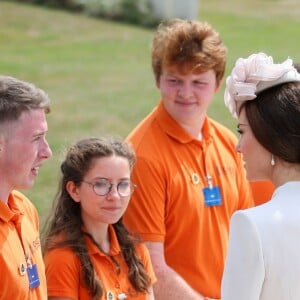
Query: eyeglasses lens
x: 103, y: 187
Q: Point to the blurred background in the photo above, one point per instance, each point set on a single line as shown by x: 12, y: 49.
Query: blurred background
x: 93, y: 59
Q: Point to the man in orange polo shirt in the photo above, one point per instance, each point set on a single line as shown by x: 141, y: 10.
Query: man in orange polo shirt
x: 23, y: 148
x: 189, y: 177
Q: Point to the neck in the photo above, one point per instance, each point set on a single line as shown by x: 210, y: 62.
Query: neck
x: 195, y: 130
x: 100, y: 235
x: 284, y: 172
x: 5, y: 190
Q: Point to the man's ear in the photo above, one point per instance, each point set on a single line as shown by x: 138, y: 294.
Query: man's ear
x: 1, y: 143
x: 73, y: 191
x: 157, y: 83
x: 217, y: 88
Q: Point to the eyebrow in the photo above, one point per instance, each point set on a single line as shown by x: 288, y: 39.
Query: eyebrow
x: 241, y: 124
x: 39, y: 133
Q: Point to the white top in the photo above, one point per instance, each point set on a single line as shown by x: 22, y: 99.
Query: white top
x: 263, y: 259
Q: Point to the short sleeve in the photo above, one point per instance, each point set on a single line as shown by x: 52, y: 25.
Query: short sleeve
x: 62, y: 273
x: 143, y: 253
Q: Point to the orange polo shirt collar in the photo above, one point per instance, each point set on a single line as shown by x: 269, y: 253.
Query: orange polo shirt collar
x: 10, y: 212
x: 173, y: 129
x: 114, y: 244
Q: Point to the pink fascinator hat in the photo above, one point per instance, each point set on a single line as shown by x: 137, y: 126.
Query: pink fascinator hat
x: 254, y: 74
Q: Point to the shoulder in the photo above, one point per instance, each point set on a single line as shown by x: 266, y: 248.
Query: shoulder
x: 142, y: 252
x: 244, y: 231
x: 144, y: 255
x: 152, y: 134
x: 62, y: 257
x: 63, y: 272
x: 255, y: 217
x: 223, y: 140
x: 145, y: 127
x: 221, y: 130
x: 24, y: 205
x: 22, y: 201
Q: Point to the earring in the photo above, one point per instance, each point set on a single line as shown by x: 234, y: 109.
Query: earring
x: 272, y: 161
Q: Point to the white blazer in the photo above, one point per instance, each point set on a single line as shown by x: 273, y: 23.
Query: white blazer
x: 263, y: 261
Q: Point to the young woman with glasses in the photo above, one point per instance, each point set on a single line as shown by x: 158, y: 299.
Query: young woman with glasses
x: 88, y: 252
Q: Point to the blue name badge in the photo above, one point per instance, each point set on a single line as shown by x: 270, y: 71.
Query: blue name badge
x: 212, y: 196
x: 33, y: 276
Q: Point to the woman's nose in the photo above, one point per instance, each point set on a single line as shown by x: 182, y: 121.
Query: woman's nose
x: 113, y: 192
x: 238, y: 147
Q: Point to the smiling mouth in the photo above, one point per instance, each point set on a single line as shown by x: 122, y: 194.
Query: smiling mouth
x: 186, y: 103
x: 35, y: 170
x: 111, y: 208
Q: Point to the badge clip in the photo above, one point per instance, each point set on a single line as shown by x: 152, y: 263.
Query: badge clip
x: 22, y: 269
x: 109, y: 295
x: 212, y: 195
x: 195, y: 178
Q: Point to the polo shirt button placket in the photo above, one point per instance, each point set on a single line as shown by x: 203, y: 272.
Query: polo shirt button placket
x: 121, y: 295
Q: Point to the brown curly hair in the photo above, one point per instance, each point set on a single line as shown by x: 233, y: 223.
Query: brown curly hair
x: 66, y: 216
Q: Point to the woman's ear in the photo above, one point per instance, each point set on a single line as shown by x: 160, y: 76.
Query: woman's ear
x: 73, y: 191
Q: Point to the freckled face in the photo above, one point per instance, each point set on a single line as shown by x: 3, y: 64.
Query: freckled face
x: 186, y: 97
x: 256, y: 158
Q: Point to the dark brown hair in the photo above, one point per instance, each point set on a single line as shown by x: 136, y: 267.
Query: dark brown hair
x: 274, y: 117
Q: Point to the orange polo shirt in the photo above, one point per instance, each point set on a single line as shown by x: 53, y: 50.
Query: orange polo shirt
x: 64, y: 276
x: 262, y: 191
x: 168, y: 205
x: 19, y: 236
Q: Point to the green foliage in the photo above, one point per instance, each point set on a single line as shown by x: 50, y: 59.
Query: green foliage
x: 138, y: 12
x: 130, y: 11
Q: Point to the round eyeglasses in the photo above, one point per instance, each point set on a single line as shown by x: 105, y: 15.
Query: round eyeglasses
x: 103, y: 187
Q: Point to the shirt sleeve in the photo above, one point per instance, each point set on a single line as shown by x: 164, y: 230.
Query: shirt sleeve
x: 145, y: 214
x: 244, y: 268
x: 145, y: 258
x: 62, y: 273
